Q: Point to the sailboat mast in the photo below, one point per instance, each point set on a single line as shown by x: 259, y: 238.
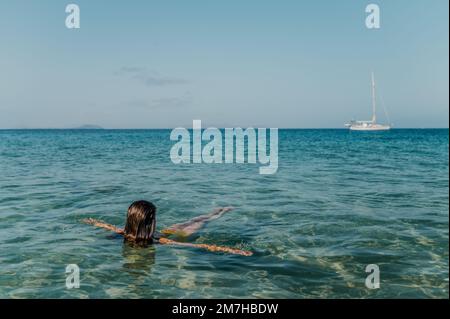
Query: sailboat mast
x: 374, y: 114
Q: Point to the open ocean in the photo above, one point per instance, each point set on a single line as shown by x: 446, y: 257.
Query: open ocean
x: 340, y: 200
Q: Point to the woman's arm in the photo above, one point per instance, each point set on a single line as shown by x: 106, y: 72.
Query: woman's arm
x: 193, y: 225
x: 214, y: 248
x: 99, y: 223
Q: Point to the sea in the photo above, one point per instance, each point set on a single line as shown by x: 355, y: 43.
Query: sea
x: 340, y: 204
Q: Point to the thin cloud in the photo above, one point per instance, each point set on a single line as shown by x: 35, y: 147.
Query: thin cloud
x: 149, y: 77
x: 161, y: 103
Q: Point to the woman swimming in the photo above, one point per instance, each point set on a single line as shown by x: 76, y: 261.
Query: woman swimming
x: 140, y: 227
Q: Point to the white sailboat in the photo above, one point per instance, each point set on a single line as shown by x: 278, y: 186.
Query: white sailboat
x: 369, y: 125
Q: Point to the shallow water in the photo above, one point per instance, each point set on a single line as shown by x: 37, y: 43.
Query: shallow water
x: 340, y: 201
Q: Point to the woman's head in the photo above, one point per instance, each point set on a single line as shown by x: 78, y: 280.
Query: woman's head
x: 141, y: 221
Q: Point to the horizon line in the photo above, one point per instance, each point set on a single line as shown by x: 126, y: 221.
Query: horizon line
x: 190, y: 128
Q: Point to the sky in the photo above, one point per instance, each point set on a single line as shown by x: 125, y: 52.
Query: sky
x: 260, y: 63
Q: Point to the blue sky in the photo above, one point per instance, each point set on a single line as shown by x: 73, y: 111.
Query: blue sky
x: 157, y: 64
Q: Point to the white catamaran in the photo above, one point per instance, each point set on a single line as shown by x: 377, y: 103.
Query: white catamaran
x: 369, y: 125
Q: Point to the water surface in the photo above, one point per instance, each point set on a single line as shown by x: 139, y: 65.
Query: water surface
x: 340, y: 201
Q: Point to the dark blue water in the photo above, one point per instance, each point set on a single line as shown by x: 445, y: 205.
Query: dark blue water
x: 340, y: 200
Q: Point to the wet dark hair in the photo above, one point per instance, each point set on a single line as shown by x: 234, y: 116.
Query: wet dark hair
x: 141, y: 222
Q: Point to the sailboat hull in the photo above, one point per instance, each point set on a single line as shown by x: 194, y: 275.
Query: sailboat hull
x: 372, y: 127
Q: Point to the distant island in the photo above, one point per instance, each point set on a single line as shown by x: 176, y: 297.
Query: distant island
x: 89, y: 127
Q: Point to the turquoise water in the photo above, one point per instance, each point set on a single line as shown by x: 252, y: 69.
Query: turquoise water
x: 341, y: 200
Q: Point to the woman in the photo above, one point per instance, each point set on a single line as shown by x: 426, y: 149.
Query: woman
x: 141, y: 224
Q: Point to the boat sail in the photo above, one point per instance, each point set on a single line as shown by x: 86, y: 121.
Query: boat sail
x: 371, y: 125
